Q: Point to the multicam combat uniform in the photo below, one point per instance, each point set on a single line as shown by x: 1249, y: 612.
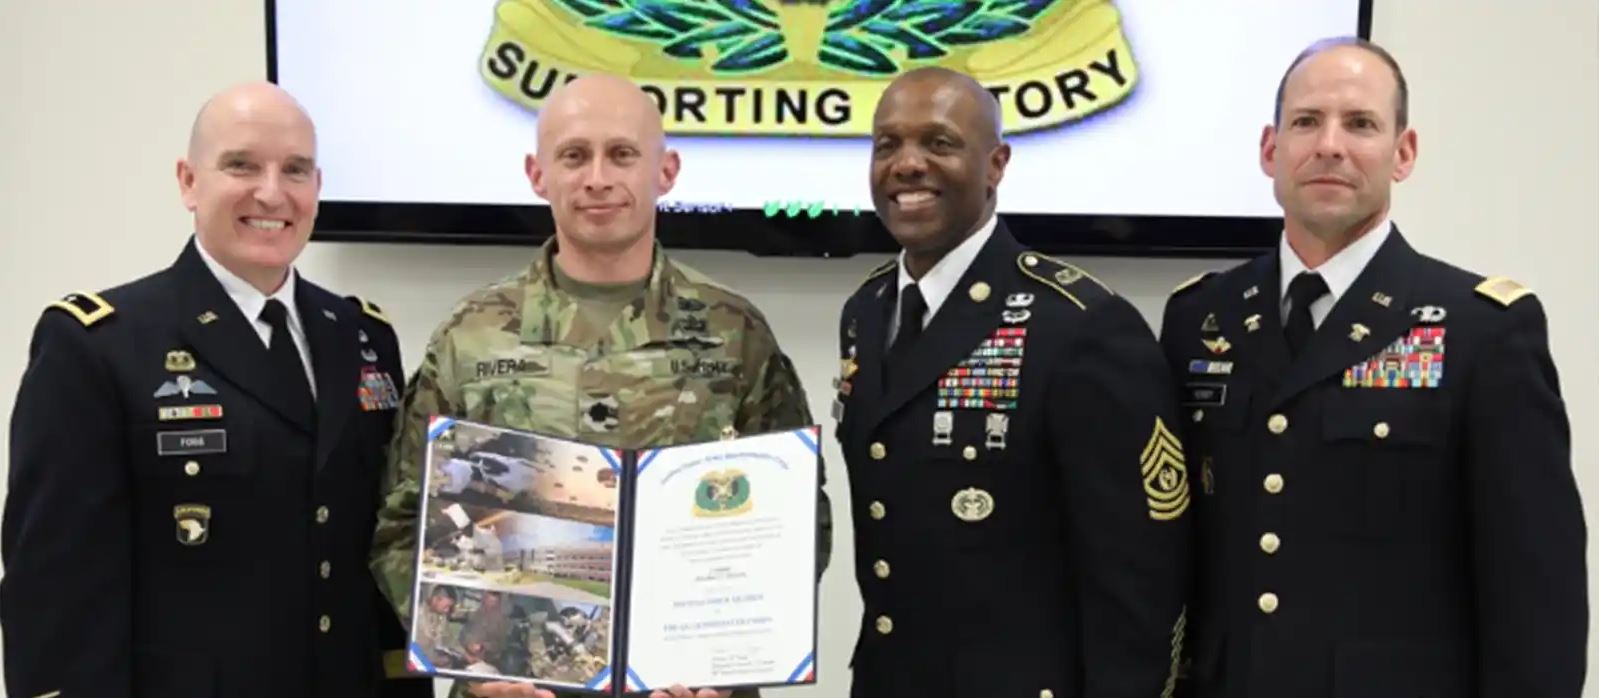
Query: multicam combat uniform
x: 680, y: 359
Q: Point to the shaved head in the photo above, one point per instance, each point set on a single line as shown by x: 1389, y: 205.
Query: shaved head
x: 602, y: 164
x: 937, y: 78
x: 251, y: 179
x: 597, y: 93
x: 243, y: 101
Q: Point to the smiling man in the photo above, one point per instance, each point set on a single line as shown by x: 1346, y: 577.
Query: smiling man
x: 603, y: 338
x: 1375, y: 520
x: 1018, y: 491
x: 194, y: 454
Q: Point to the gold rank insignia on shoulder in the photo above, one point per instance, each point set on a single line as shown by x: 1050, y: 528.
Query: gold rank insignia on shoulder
x: 1191, y: 282
x: 879, y: 270
x: 1165, y: 473
x: 370, y: 309
x: 179, y: 361
x: 1502, y: 290
x: 88, y: 308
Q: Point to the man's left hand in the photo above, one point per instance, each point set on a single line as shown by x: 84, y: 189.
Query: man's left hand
x: 677, y: 691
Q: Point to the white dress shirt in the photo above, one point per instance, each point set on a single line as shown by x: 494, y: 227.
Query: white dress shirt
x: 1339, y: 272
x: 940, y: 281
x: 250, y: 301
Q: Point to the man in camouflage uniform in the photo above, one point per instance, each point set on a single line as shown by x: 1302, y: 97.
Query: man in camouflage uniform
x: 602, y: 339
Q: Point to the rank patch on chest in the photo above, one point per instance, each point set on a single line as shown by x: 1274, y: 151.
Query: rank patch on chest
x: 988, y: 378
x: 1415, y: 360
x: 377, y: 391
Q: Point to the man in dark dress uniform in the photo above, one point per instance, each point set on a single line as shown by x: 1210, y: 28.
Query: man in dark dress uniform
x: 1019, y: 494
x: 195, y: 455
x: 1376, y: 520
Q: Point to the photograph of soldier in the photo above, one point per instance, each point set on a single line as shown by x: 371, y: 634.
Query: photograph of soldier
x: 523, y: 554
x: 495, y: 634
x: 484, y: 466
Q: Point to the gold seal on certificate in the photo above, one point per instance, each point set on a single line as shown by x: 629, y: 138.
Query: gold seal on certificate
x: 608, y: 571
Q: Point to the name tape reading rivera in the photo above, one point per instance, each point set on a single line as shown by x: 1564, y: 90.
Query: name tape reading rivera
x: 791, y: 67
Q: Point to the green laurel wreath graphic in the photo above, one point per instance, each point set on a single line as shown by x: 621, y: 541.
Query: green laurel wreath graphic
x: 860, y: 34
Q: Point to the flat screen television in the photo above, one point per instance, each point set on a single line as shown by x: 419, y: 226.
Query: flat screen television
x: 1134, y: 125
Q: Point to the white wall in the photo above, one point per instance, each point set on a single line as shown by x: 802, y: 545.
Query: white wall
x: 98, y: 96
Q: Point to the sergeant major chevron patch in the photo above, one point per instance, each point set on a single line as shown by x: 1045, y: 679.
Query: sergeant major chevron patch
x: 1165, y: 474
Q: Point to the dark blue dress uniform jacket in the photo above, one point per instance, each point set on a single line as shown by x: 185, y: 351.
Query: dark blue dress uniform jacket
x: 1045, y: 557
x: 154, y: 547
x: 1380, y: 542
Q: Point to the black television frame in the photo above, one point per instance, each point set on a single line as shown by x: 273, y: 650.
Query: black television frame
x: 827, y: 235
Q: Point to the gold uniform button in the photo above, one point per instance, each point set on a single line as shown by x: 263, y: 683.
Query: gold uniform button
x: 969, y: 453
x: 878, y: 511
x: 879, y: 451
x: 1046, y: 693
x: 885, y: 625
x: 881, y: 569
x: 1268, y: 603
x: 1269, y: 542
x: 324, y: 624
x: 322, y: 515
x: 1274, y: 483
x: 191, y: 468
x: 1381, y: 430
x: 325, y: 569
x: 1277, y: 424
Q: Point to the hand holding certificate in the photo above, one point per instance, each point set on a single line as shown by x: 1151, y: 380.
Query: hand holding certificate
x: 608, y: 571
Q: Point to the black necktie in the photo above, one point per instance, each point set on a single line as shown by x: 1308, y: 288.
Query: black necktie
x: 912, y: 306
x: 286, y: 366
x: 1302, y: 291
x: 911, y: 309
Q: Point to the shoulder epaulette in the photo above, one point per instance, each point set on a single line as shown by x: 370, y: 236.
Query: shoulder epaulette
x: 879, y: 270
x: 1065, y: 278
x: 88, y: 308
x: 370, y: 308
x: 1502, y: 290
x: 1192, y: 282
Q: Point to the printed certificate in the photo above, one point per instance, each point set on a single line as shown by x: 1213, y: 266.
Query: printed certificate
x: 593, y: 569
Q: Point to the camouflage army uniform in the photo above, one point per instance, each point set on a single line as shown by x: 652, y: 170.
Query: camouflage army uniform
x: 687, y: 360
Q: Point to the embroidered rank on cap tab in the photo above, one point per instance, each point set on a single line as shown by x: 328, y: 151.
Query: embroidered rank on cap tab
x: 371, y: 309
x: 1502, y: 290
x: 88, y: 308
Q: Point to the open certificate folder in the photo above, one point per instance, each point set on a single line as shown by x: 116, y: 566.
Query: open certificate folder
x: 586, y: 568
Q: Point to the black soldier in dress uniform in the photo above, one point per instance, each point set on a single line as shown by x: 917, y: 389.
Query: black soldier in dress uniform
x: 1386, y: 501
x: 195, y: 455
x: 1019, y: 492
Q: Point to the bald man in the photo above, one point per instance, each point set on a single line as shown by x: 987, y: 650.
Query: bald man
x: 603, y: 338
x: 194, y: 455
x: 1019, y: 494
